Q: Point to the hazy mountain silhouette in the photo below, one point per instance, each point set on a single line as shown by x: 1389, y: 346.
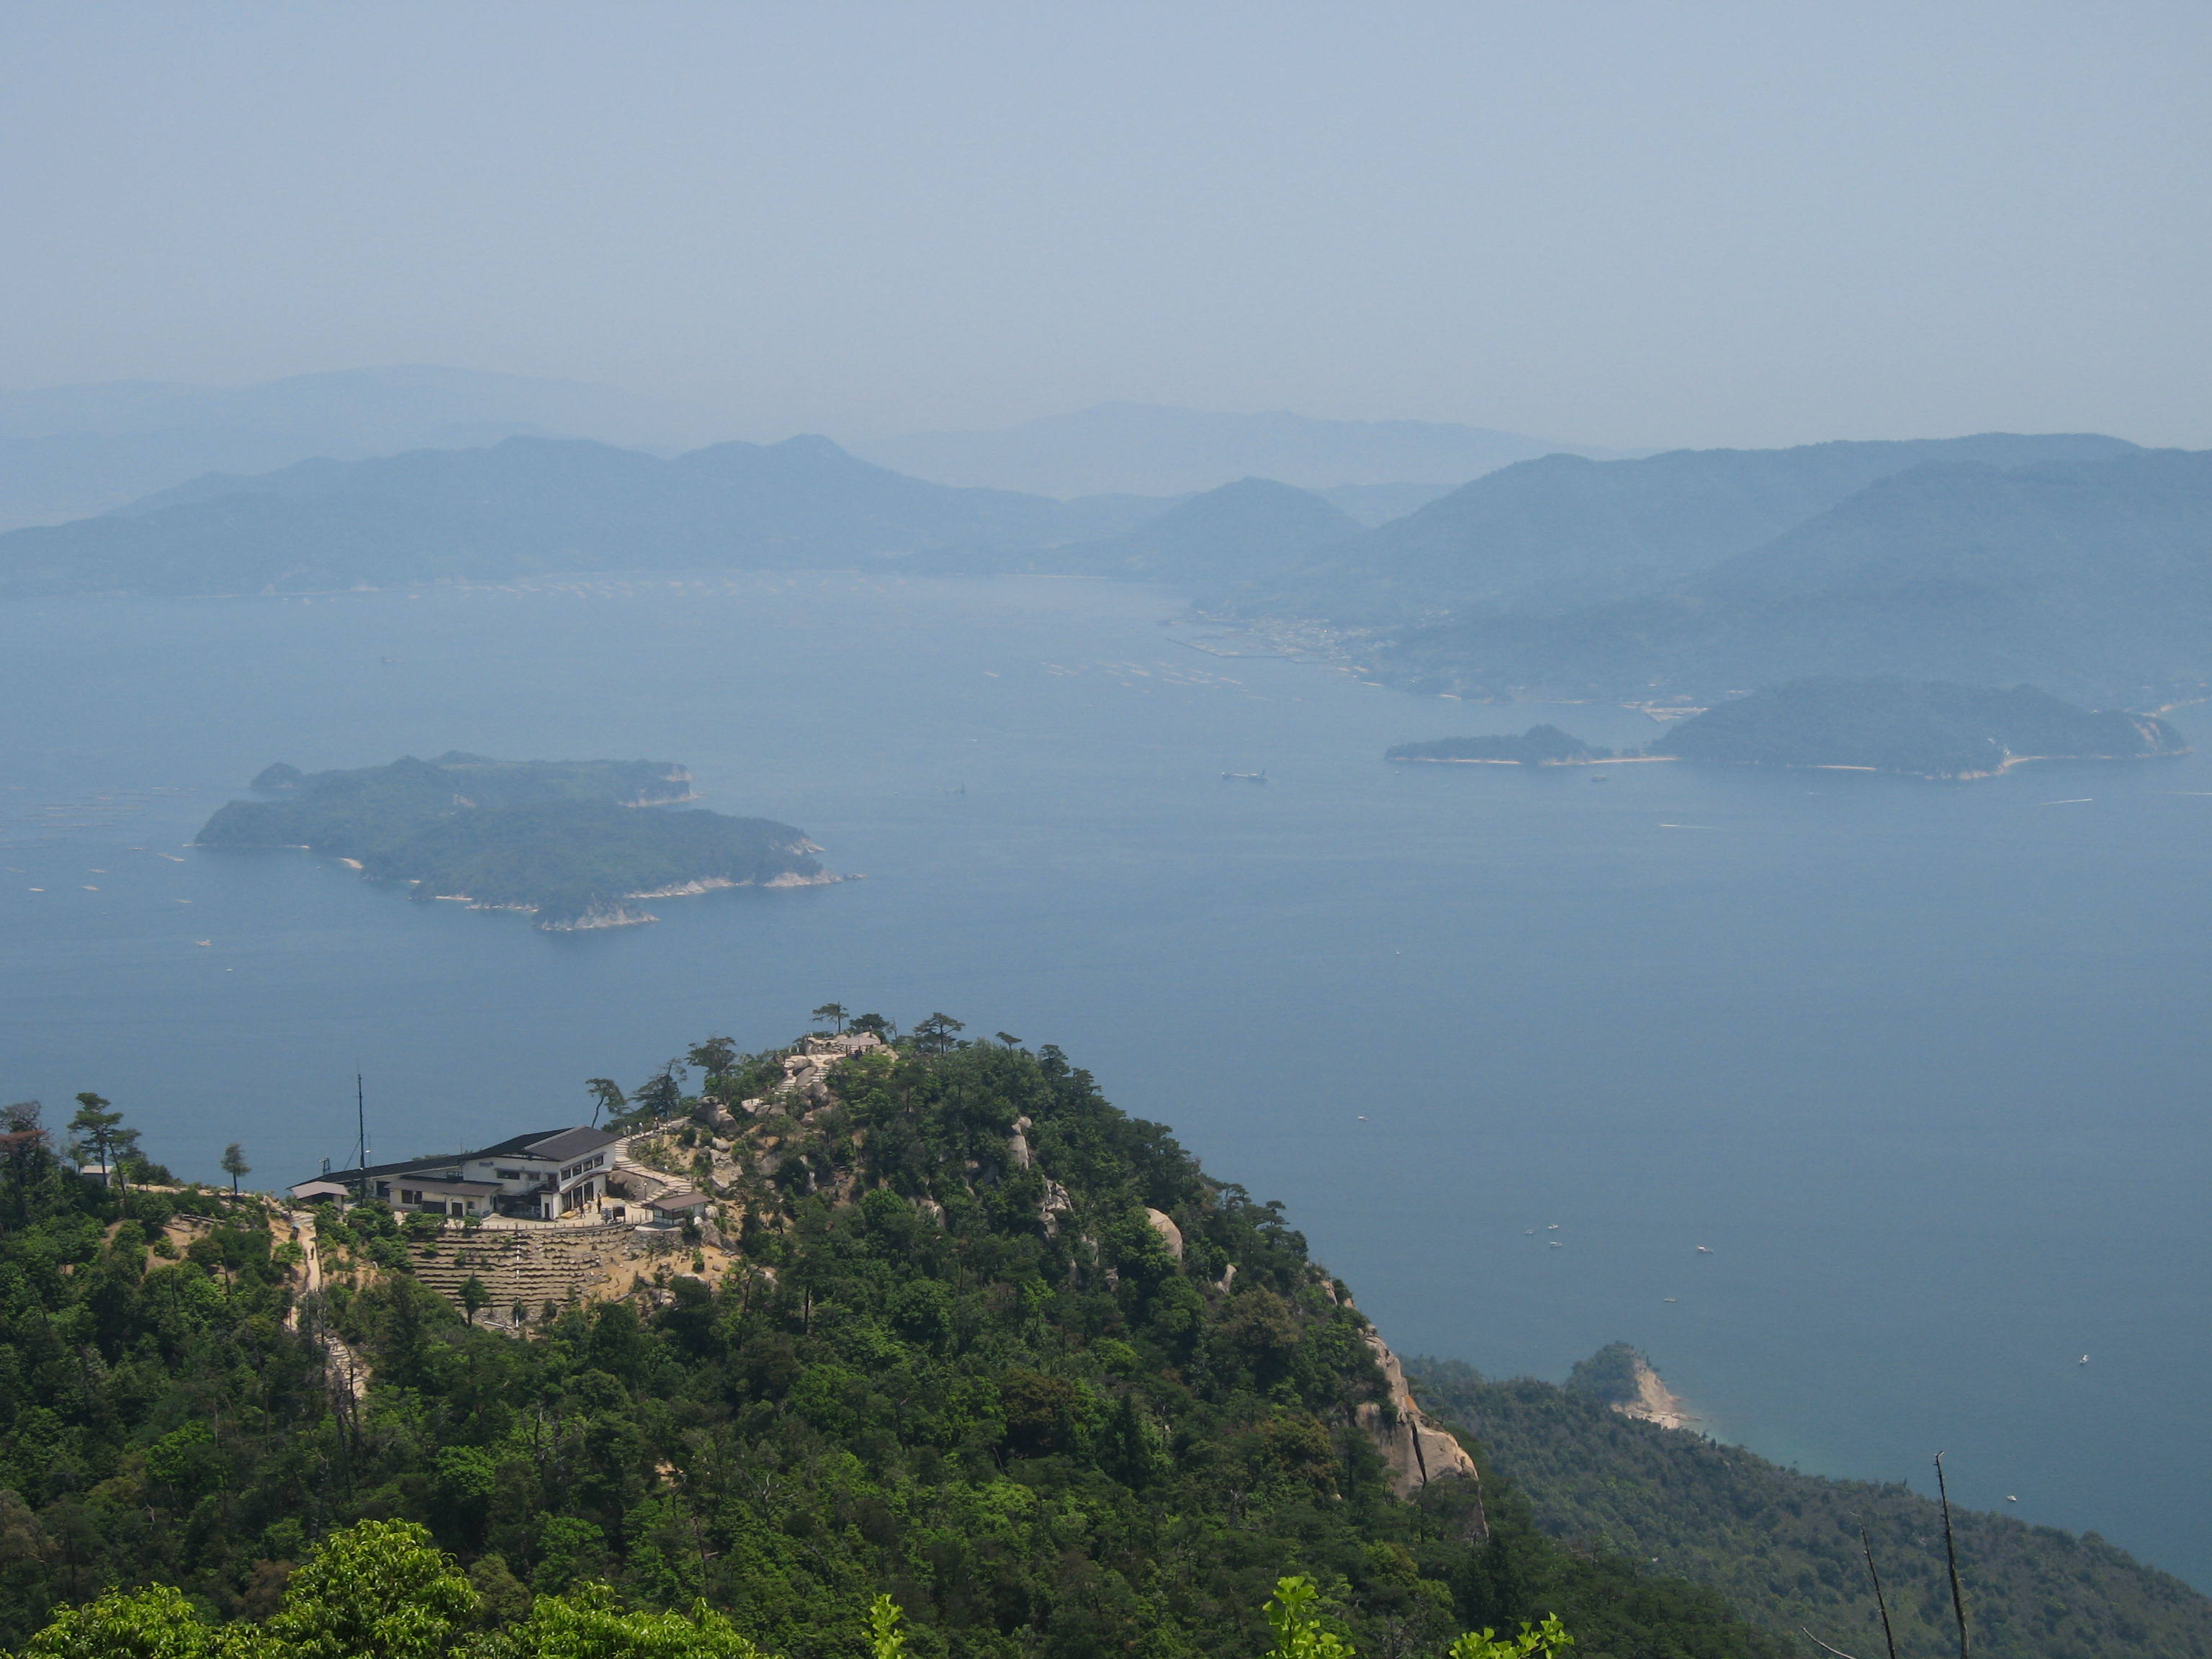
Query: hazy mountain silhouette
x: 66, y: 451
x: 1564, y: 528
x: 1377, y: 504
x: 1248, y: 528
x: 530, y: 505
x: 1154, y: 450
x: 2093, y: 579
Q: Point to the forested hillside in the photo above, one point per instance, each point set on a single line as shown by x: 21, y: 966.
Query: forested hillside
x: 1785, y: 1548
x: 955, y: 1363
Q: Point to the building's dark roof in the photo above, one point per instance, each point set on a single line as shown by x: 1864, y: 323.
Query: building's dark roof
x: 523, y: 1146
x: 571, y: 1143
x: 683, y: 1201
x: 378, y: 1171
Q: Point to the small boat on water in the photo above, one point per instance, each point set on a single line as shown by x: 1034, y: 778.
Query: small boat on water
x: 1243, y: 777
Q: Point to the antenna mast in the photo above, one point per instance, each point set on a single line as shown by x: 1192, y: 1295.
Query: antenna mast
x: 360, y: 1133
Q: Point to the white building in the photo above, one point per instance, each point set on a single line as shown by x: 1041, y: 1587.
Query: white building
x: 547, y: 1174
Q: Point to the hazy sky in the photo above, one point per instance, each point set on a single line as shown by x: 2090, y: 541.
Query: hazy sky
x: 1618, y: 220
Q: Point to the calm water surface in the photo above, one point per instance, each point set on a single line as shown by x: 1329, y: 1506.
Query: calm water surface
x: 1924, y: 1066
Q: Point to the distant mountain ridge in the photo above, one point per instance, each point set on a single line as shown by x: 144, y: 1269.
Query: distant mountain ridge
x: 1566, y: 528
x: 68, y: 452
x: 1240, y: 531
x: 537, y: 506
x: 2093, y: 579
x: 1154, y: 449
x: 2077, y: 562
x: 529, y: 506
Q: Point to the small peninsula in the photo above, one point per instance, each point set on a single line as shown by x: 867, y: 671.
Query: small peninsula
x: 1540, y: 745
x: 1921, y: 728
x: 573, y: 842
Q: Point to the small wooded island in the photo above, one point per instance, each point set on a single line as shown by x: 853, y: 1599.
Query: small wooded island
x: 1540, y: 745
x: 572, y: 841
x: 1918, y: 728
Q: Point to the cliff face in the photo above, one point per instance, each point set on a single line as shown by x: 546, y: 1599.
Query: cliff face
x: 1417, y: 1450
x: 1654, y: 1402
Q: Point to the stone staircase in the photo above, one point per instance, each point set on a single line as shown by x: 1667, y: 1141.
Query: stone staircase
x: 641, y: 1183
x: 533, y: 1267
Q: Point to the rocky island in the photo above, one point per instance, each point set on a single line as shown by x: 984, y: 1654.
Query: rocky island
x: 573, y: 842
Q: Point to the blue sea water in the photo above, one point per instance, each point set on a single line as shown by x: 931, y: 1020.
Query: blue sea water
x: 1922, y: 1066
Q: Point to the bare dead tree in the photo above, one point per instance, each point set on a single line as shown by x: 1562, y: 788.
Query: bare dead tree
x: 1951, y: 1556
x: 1888, y: 1639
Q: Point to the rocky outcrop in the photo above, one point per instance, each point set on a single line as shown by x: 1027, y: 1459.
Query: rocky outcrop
x: 1417, y: 1450
x: 1170, y: 1235
x: 806, y: 1071
x: 1054, y: 1205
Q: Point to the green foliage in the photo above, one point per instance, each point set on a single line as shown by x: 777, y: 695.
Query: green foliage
x: 592, y: 1624
x: 1785, y: 1547
x: 376, y: 1590
x: 1546, y: 1639
x: 155, y: 1623
x: 1293, y: 1613
x: 1611, y: 1377
x: 885, y: 1639
x: 561, y: 837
